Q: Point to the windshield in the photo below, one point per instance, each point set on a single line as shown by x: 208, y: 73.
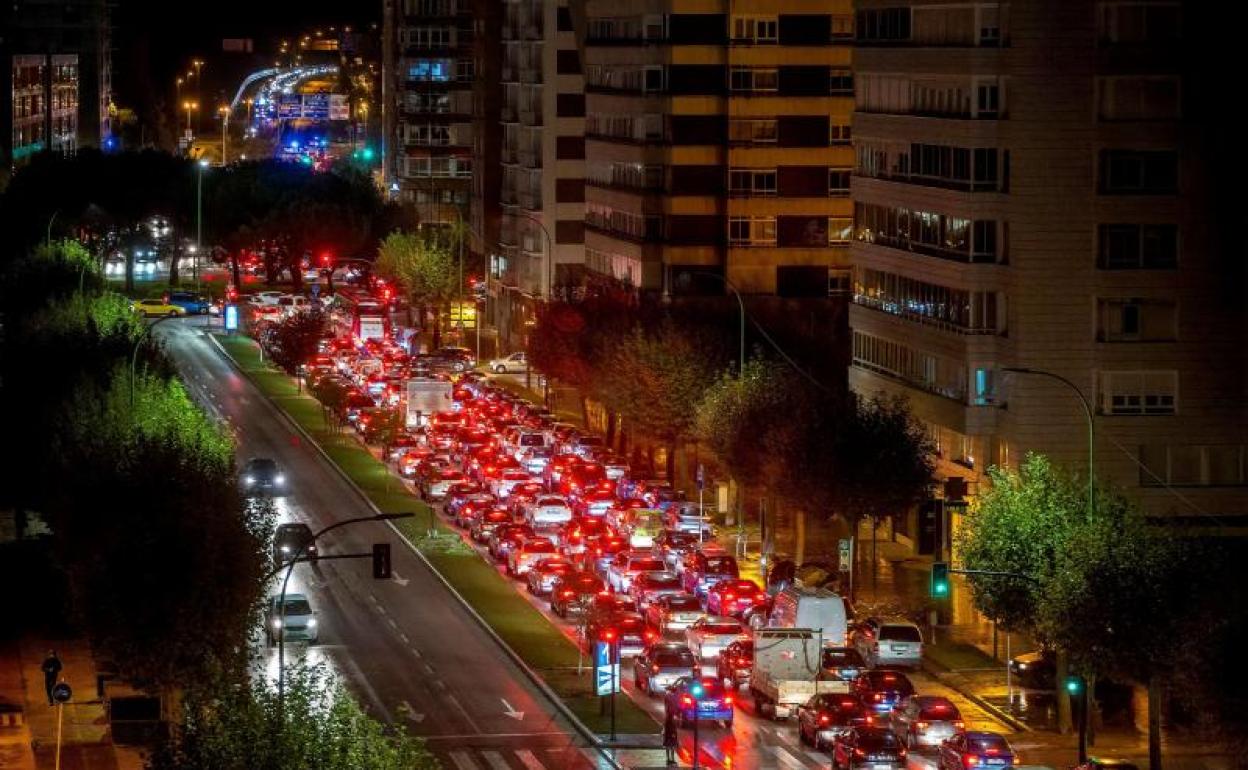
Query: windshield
x: 988, y: 743
x: 721, y: 565
x: 684, y: 604
x: 645, y: 565
x: 298, y: 607
x: 532, y: 439
x: 835, y: 658
x: 674, y: 658
x: 721, y: 628
x: 886, y: 680
x: 877, y: 739
x: 900, y: 634
x: 661, y: 581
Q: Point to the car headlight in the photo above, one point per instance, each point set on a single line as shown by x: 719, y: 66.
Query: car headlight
x: 311, y: 622
x: 277, y: 622
x: 249, y: 480
x: 285, y: 549
x: 1022, y: 666
x: 279, y: 479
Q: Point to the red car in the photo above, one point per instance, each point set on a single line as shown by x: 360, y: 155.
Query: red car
x: 485, y: 524
x: 578, y: 533
x: 733, y: 597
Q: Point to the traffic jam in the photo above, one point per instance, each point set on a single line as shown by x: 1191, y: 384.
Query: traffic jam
x: 608, y: 556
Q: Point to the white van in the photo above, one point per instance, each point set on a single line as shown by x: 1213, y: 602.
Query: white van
x: 814, y: 608
x: 293, y: 303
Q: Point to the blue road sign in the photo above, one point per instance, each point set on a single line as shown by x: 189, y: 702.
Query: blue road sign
x: 316, y: 106
x: 602, y: 653
x: 316, y: 290
x: 231, y: 318
x: 607, y: 679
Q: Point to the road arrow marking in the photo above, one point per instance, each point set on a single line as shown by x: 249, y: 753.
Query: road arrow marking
x: 511, y: 712
x: 406, y: 710
x: 396, y: 577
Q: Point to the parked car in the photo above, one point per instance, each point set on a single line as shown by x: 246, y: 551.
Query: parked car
x: 660, y: 664
x: 926, y: 720
x: 153, y: 308
x: 976, y: 750
x: 516, y: 363
x: 876, y: 748
x: 889, y: 642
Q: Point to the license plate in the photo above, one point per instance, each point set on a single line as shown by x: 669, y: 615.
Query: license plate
x: 994, y: 761
x: 882, y: 766
x: 708, y: 706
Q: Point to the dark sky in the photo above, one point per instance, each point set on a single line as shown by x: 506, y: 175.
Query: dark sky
x: 156, y: 39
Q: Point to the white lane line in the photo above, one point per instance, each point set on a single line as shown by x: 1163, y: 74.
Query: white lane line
x: 393, y: 623
x: 405, y: 640
x: 462, y: 760
x: 820, y: 758
x: 455, y: 702
x: 529, y: 760
x: 787, y: 759
x: 428, y: 669
x: 495, y: 760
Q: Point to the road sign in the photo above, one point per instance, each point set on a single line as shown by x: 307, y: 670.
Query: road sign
x: 231, y: 318
x: 701, y: 477
x: 316, y: 106
x: 602, y: 653
x: 290, y: 106
x: 61, y: 692
x: 607, y: 679
x: 845, y: 552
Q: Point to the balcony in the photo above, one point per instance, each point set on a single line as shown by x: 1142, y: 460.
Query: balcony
x: 897, y: 309
x: 876, y: 238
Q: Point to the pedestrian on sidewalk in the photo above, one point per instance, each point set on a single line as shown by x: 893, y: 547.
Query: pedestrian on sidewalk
x: 51, y: 672
x: 671, y: 738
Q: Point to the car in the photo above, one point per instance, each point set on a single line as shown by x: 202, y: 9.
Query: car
x: 698, y: 698
x: 601, y: 551
x: 733, y: 597
x: 507, y: 537
x: 735, y: 664
x: 578, y: 533
x: 926, y: 720
x: 689, y: 517
x: 701, y: 569
x: 827, y: 715
x: 710, y: 635
x: 648, y: 587
x: 535, y: 459
x: 548, y: 509
x: 674, y: 612
x: 153, y: 308
x: 507, y: 481
x: 642, y: 526
x: 881, y: 690
x: 594, y: 503
x: 1037, y: 670
x: 604, y: 605
x: 876, y: 748
x: 841, y: 664
x: 627, y: 565
x: 570, y: 593
x: 267, y: 297
x: 485, y: 524
x: 528, y: 553
x: 544, y: 573
x: 441, y: 483
x: 192, y: 303
x: 261, y: 474
x: 579, y: 477
x: 980, y: 750
x: 660, y: 664
x: 626, y: 629
x: 673, y: 546
x: 292, y: 540
x: 292, y: 621
x: 889, y: 642
x: 516, y: 363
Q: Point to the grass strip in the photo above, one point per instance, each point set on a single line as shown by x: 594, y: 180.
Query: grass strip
x: 539, y: 643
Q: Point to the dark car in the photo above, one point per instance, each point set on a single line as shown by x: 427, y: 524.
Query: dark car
x: 1037, y: 670
x: 193, y: 304
x: 292, y: 540
x: 261, y: 474
x: 827, y: 715
x: 881, y: 689
x: 841, y: 664
x: 735, y: 664
x: 699, y: 699
x: 1102, y: 763
x: 661, y: 664
x: 570, y: 593
x: 874, y: 747
x: 980, y: 750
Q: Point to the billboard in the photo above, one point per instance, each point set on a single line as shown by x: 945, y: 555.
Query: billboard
x: 316, y: 106
x: 290, y: 106
x: 338, y: 108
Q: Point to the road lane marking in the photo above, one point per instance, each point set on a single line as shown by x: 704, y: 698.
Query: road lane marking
x: 495, y: 760
x: 405, y: 640
x: 787, y: 759
x: 462, y: 760
x: 455, y: 702
x: 428, y: 669
x: 529, y: 760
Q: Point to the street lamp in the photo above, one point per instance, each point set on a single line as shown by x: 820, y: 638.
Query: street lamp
x: 224, y: 112
x: 189, y: 106
x: 199, y: 218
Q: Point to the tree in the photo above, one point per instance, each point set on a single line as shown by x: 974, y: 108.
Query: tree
x: 295, y: 339
x: 231, y: 725
x: 425, y: 269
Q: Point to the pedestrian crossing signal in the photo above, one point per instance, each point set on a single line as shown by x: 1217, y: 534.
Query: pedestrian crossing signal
x: 940, y: 580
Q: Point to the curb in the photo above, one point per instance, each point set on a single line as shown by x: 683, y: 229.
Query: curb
x: 939, y: 673
x: 533, y: 676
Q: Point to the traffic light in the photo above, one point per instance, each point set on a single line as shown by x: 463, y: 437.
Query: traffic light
x: 381, y: 561
x: 326, y: 259
x: 1074, y: 684
x: 940, y: 580
x: 697, y: 690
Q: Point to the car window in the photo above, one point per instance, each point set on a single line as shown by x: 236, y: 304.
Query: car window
x: 841, y: 657
x: 683, y: 603
x: 681, y: 658
x: 720, y: 565
x: 662, y: 581
x: 939, y: 710
x: 900, y: 634
x: 298, y: 607
x: 877, y: 740
x: 988, y: 743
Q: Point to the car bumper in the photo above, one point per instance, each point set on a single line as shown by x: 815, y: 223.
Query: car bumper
x: 707, y: 714
x: 932, y: 737
x: 904, y: 661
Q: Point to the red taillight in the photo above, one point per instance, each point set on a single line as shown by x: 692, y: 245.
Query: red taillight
x: 824, y: 719
x: 859, y: 753
x: 655, y: 668
x: 686, y: 701
x: 730, y: 597
x: 970, y: 760
x: 727, y: 699
x: 921, y: 725
x: 959, y: 725
x: 651, y: 636
x: 568, y: 594
x: 879, y: 697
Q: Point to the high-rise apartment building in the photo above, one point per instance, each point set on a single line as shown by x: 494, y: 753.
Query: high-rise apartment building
x: 1037, y: 186
x: 718, y: 145
x: 428, y: 72
x: 540, y: 248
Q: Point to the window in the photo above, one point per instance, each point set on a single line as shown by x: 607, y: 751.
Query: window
x: 840, y: 230
x: 1137, y: 320
x: 1138, y: 247
x: 1138, y: 98
x: 1139, y: 393
x: 1206, y: 465
x: 1139, y: 171
x: 957, y: 310
x: 934, y: 374
x: 1139, y: 22
x: 430, y: 70
x: 985, y: 386
x: 752, y: 231
x: 884, y: 25
x: 842, y: 26
x: 841, y: 82
x: 465, y: 69
x: 926, y: 232
x: 838, y: 181
x: 838, y: 133
x: 752, y: 181
x: 987, y: 100
x: 428, y: 7
x: 429, y: 135
x: 801, y: 281
x: 985, y: 238
x: 743, y: 131
x: 750, y: 79
x: 754, y: 29
x: 989, y: 25
x: 429, y: 37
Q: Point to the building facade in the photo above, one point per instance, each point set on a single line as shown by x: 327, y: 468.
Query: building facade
x: 718, y: 145
x: 1036, y: 186
x: 428, y: 72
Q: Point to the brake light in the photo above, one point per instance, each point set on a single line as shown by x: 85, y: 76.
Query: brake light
x: 859, y: 753
x: 879, y: 697
x: 959, y: 725
x: 686, y: 701
x: 655, y: 668
x: 651, y: 636
x: 921, y: 725
x: 727, y: 699
x: 568, y: 594
x: 824, y: 719
x: 730, y: 597
x: 970, y: 760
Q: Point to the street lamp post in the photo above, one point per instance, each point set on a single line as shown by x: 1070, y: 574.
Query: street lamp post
x: 550, y: 250
x: 134, y: 354
x: 199, y: 219
x: 189, y: 106
x: 225, y: 123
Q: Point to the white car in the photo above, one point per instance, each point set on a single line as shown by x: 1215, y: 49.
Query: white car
x: 297, y: 623
x: 627, y: 565
x: 441, y: 485
x: 502, y: 487
x: 267, y: 297
x: 535, y: 460
x: 709, y: 636
x: 548, y: 509
x: 516, y: 363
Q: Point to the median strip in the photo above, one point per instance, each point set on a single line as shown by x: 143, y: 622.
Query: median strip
x: 534, y: 640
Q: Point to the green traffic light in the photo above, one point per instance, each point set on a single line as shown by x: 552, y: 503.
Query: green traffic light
x: 940, y: 580
x: 368, y: 153
x: 1074, y: 685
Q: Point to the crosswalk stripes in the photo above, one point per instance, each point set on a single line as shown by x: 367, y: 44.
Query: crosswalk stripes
x: 763, y: 757
x: 495, y: 760
x: 529, y: 759
x: 787, y: 759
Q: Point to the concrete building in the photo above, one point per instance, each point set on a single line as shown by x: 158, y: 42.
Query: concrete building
x: 718, y: 145
x: 540, y: 248
x: 55, y: 78
x: 427, y: 76
x: 1037, y: 186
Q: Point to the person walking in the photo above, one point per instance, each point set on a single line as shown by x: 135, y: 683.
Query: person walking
x: 671, y: 738
x: 51, y: 672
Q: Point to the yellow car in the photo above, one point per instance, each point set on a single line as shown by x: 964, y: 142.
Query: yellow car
x: 157, y: 307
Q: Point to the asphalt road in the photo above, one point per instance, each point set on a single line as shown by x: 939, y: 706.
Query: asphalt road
x: 407, y: 646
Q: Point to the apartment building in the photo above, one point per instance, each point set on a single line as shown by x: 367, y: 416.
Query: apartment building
x: 718, y: 145
x: 1037, y: 185
x: 428, y: 72
x: 541, y: 196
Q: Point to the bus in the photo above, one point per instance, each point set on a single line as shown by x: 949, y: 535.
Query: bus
x: 362, y: 315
